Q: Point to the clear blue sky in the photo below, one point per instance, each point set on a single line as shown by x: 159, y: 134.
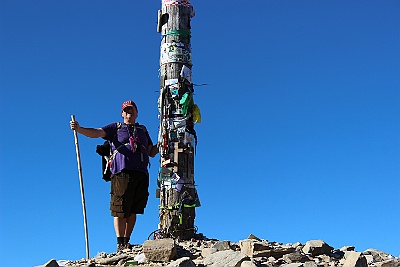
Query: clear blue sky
x: 300, y: 131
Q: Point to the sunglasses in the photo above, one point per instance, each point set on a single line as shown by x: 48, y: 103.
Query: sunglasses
x: 128, y: 109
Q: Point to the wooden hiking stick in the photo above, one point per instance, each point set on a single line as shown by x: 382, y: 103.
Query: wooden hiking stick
x: 78, y: 158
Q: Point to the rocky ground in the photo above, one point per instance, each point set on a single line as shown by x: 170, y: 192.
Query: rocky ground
x: 250, y: 252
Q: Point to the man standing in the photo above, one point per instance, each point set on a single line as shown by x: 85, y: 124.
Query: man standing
x: 131, y: 147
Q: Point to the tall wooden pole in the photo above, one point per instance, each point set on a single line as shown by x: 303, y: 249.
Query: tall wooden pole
x: 178, y: 113
x: 78, y: 159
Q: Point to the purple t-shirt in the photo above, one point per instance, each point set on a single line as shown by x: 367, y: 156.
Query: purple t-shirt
x: 125, y: 158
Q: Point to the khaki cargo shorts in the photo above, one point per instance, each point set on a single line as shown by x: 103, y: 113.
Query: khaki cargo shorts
x: 129, y: 193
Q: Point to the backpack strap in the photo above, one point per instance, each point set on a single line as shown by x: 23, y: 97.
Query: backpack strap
x: 110, y: 158
x: 144, y: 129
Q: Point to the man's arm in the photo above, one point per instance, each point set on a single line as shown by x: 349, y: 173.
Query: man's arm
x: 152, y: 150
x: 89, y: 132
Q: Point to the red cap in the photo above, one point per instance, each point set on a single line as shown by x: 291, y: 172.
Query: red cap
x: 129, y: 103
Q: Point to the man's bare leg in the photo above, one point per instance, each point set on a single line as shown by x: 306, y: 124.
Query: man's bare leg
x: 124, y: 226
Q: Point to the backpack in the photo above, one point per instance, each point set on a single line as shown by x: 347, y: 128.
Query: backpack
x: 107, y: 155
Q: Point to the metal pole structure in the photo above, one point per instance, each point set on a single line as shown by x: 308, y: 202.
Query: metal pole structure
x: 177, y: 138
x: 78, y: 158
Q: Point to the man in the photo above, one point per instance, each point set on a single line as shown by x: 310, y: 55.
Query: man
x: 131, y: 147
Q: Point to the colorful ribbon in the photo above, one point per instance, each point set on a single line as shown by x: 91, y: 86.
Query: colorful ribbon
x: 183, y: 33
x: 176, y: 3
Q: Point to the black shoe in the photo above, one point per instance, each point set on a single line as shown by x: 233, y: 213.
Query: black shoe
x: 120, y: 247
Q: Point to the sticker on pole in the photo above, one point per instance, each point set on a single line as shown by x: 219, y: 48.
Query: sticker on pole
x: 176, y: 53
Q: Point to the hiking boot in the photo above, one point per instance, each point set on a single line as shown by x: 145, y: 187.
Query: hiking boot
x: 120, y: 247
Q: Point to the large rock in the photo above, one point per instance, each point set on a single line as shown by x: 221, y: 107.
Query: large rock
x: 226, y: 258
x: 378, y: 255
x: 317, y: 247
x: 111, y: 260
x: 254, y: 248
x: 310, y: 264
x: 159, y: 250
x: 337, y: 254
x: 388, y: 263
x: 50, y: 263
x: 355, y: 259
x: 222, y: 245
x: 248, y: 264
x: 208, y: 251
x: 251, y: 236
x: 296, y: 256
x: 278, y: 252
x: 182, y: 262
x: 370, y: 259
